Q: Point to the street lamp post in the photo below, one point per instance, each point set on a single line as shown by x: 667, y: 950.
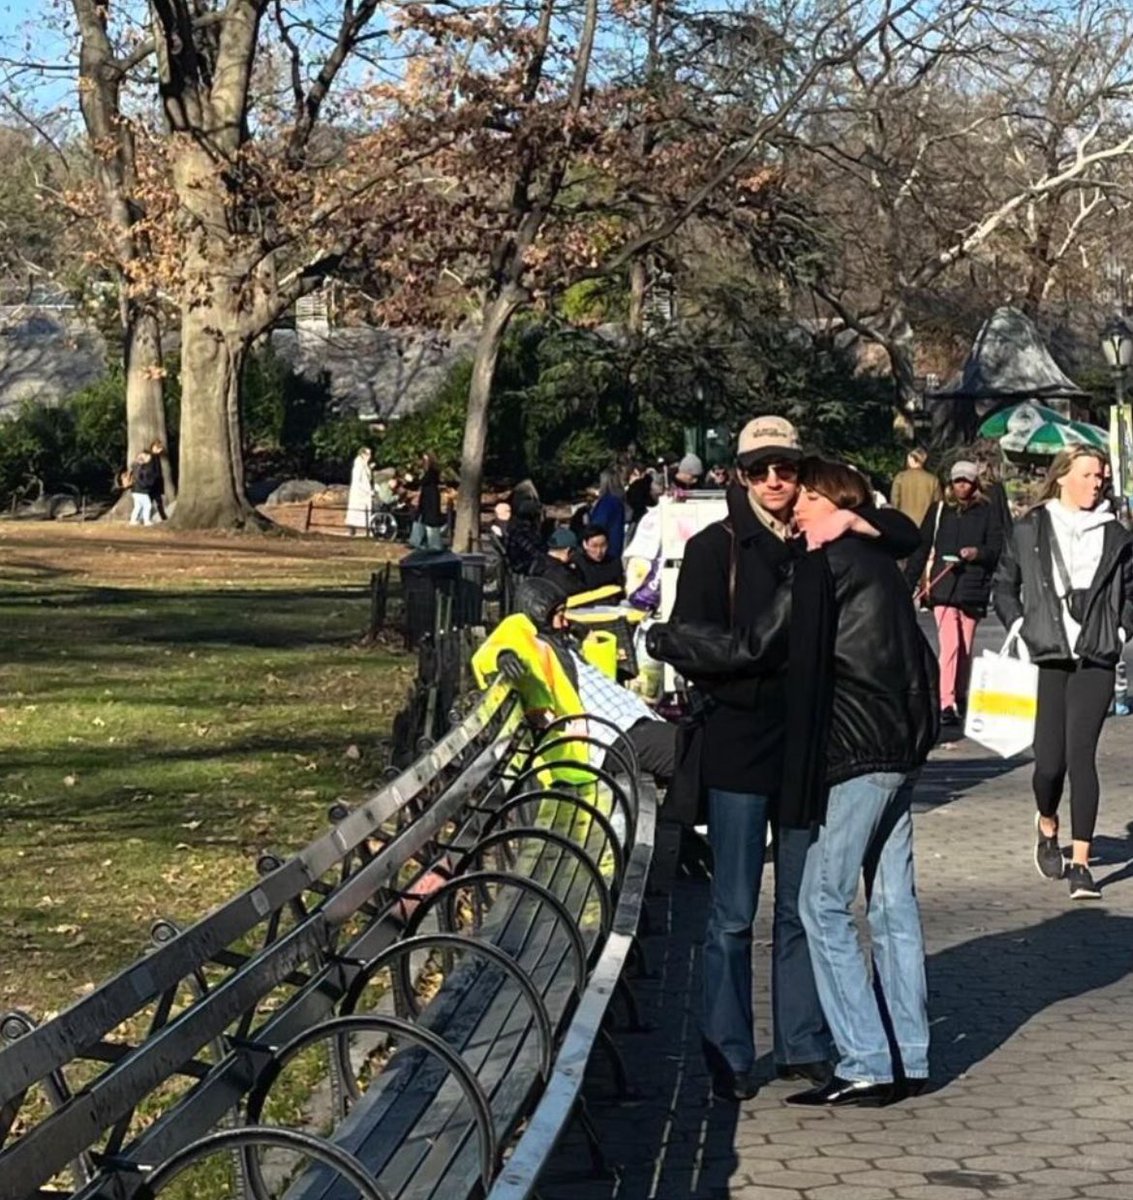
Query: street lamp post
x: 1117, y: 346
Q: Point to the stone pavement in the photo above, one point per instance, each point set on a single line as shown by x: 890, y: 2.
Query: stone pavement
x: 1031, y: 1002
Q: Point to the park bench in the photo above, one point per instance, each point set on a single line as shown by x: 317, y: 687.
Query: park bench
x: 508, y: 898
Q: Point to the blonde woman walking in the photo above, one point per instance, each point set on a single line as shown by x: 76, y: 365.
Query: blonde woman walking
x: 1065, y: 579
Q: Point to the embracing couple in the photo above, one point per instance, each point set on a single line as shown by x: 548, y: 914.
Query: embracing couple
x: 794, y: 621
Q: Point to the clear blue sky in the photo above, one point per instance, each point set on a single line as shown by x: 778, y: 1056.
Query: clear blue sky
x: 30, y: 32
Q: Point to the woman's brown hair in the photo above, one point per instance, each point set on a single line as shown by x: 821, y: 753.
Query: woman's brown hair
x: 1061, y: 465
x: 843, y: 486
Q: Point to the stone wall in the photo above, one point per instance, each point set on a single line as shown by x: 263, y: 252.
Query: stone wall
x: 47, y: 354
x: 377, y: 372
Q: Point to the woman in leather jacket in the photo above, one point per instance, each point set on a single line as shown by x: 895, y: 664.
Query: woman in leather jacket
x: 1065, y: 583
x: 862, y: 712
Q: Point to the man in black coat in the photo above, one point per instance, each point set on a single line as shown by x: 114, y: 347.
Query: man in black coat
x: 731, y: 572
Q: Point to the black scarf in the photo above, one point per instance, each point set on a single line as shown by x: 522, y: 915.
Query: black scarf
x: 810, y: 692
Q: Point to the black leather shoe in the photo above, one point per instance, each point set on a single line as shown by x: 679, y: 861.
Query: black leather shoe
x: 819, y: 1073
x: 726, y: 1083
x: 845, y: 1093
x: 735, y: 1085
x: 906, y: 1089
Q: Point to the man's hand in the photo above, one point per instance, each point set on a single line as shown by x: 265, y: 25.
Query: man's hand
x: 968, y: 553
x: 835, y: 525
x: 510, y: 666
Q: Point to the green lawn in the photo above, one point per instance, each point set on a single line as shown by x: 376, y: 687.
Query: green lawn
x: 153, y: 741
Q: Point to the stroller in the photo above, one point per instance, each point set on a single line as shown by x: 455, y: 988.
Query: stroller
x: 383, y: 519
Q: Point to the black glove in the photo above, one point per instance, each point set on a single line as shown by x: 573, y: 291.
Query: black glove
x: 657, y: 640
x: 510, y: 666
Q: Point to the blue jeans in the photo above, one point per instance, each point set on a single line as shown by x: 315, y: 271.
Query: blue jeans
x: 737, y: 831
x: 142, y: 513
x: 868, y: 825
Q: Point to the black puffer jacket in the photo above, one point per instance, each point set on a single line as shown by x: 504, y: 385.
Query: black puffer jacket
x: 885, y: 713
x: 967, y: 585
x: 1024, y: 587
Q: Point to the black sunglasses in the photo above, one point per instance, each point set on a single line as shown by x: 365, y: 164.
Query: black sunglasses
x: 786, y: 471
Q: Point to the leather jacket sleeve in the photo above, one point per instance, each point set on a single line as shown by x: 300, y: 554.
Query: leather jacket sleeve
x: 1127, y: 596
x: 918, y: 560
x: 897, y: 535
x: 707, y: 652
x: 1007, y: 585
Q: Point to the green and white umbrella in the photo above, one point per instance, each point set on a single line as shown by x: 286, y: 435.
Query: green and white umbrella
x: 1018, y: 417
x: 1049, y: 438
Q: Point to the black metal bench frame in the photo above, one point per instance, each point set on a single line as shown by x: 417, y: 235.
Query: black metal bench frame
x: 484, y: 771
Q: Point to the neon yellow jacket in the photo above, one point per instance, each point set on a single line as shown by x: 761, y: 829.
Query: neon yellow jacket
x: 546, y: 686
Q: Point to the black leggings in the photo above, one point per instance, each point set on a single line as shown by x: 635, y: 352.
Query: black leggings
x: 1073, y: 701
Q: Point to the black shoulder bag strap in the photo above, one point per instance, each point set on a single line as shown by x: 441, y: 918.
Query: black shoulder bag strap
x: 1074, y: 598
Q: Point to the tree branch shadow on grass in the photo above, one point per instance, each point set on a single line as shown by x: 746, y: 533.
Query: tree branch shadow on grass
x: 90, y: 624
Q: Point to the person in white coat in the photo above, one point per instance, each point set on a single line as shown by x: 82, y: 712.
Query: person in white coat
x: 359, y: 503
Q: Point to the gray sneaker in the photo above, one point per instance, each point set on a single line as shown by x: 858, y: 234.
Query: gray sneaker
x: 1082, y: 885
x: 1048, y: 854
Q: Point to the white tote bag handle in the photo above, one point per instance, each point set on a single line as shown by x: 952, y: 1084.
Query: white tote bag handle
x: 1014, y: 642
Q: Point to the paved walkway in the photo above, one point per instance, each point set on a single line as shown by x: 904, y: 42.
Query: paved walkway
x: 1032, y: 1017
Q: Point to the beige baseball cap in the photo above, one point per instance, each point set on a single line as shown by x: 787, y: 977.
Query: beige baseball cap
x: 763, y: 438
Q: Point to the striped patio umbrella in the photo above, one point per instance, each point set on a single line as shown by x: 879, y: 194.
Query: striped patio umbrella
x: 1050, y: 437
x: 1026, y: 415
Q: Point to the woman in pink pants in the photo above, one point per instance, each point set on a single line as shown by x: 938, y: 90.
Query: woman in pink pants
x: 961, y: 538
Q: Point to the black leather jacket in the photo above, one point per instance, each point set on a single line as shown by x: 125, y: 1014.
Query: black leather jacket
x: 886, y: 697
x: 1024, y: 587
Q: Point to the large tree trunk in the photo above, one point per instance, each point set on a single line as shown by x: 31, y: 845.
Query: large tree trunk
x: 497, y: 314
x: 211, y: 465
x: 145, y: 397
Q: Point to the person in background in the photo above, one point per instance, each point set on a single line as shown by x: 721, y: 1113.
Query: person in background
x: 360, y: 498
x: 141, y: 488
x: 915, y: 490
x: 595, y: 565
x: 557, y: 564
x: 157, y: 491
x: 523, y: 544
x: 639, y: 494
x: 609, y: 510
x: 717, y: 477
x: 501, y: 518
x: 964, y: 531
x: 429, y: 521
x: 1065, y: 583
x: 689, y: 472
x: 544, y: 604
x: 860, y: 707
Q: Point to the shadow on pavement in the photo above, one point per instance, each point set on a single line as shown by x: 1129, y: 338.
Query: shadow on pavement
x: 673, y: 1139
x: 943, y: 780
x: 983, y: 991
